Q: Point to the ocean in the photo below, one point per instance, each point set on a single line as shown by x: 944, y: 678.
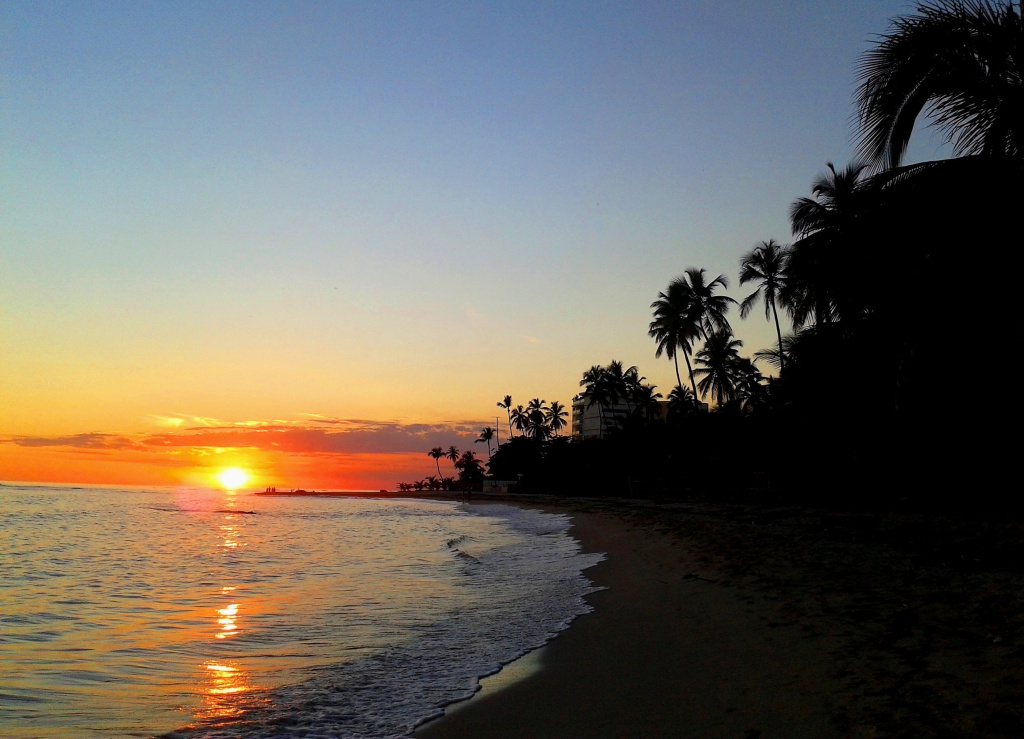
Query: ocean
x: 202, y: 613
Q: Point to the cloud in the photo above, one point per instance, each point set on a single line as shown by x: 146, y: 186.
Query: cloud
x: 314, y: 435
x: 342, y: 436
x: 92, y: 440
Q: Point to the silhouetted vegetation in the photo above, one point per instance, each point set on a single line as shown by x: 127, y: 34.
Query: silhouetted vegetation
x: 865, y: 402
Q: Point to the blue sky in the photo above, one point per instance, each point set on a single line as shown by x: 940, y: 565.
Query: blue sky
x: 387, y: 210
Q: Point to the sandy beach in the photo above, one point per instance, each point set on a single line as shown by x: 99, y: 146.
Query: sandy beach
x: 741, y: 621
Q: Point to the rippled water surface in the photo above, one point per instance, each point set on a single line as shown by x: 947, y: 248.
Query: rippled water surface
x: 203, y: 613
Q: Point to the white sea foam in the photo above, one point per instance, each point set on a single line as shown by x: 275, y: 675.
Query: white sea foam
x: 526, y: 592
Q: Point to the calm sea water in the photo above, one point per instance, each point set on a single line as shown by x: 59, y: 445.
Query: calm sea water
x: 201, y: 613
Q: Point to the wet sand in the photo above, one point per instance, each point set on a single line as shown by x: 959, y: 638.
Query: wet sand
x: 741, y: 621
x: 667, y: 652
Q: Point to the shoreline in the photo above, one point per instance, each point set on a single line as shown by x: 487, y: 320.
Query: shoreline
x: 665, y: 652
x: 726, y: 620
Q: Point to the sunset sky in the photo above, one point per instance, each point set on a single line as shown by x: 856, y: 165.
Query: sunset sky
x: 313, y: 240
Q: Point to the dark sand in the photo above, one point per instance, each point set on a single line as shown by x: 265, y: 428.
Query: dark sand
x: 734, y: 621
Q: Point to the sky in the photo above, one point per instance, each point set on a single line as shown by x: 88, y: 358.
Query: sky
x: 314, y: 240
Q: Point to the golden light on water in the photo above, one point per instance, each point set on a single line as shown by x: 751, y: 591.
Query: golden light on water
x: 233, y: 478
x: 228, y: 621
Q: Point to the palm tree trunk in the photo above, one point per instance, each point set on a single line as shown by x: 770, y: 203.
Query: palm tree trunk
x: 679, y: 380
x: 778, y: 331
x: 510, y: 434
x: 438, y: 465
x: 689, y: 369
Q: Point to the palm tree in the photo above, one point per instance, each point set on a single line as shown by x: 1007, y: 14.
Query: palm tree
x: 595, y: 390
x: 506, y: 403
x: 437, y: 452
x: 520, y: 419
x: 485, y: 436
x: 765, y: 265
x: 774, y: 355
x: 647, y: 402
x: 749, y: 384
x: 469, y: 467
x: 537, y: 428
x: 556, y: 417
x: 681, y: 401
x: 688, y: 310
x: 670, y: 330
x: 823, y: 281
x: 707, y: 310
x: 962, y: 61
x: 452, y: 454
x: 718, y: 360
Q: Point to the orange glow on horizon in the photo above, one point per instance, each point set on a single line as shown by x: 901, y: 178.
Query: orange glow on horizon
x: 185, y: 466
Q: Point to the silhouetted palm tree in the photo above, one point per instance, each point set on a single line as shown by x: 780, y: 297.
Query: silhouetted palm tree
x: 765, y: 266
x: 485, y: 436
x: 452, y: 454
x: 469, y: 467
x: 718, y: 359
x: 688, y: 310
x: 823, y: 279
x: 671, y: 329
x: 749, y: 386
x: 963, y: 62
x: 595, y: 390
x: 681, y: 401
x: 506, y: 403
x: 708, y: 310
x: 437, y: 452
x: 537, y: 428
x: 646, y: 402
x: 520, y: 419
x: 556, y: 416
x: 774, y: 355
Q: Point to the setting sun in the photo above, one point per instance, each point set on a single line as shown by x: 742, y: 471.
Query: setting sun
x: 233, y: 478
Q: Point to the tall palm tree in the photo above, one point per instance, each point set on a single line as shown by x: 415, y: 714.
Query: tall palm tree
x: 506, y: 403
x: 687, y: 311
x: 707, y: 310
x: 962, y: 61
x: 765, y: 265
x: 718, y: 360
x: 556, y: 416
x: 452, y: 454
x: 670, y: 328
x: 485, y: 436
x: 437, y: 452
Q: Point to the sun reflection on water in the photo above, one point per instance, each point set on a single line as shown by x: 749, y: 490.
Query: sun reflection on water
x: 226, y: 689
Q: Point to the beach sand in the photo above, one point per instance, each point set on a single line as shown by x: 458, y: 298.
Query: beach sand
x: 741, y: 621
